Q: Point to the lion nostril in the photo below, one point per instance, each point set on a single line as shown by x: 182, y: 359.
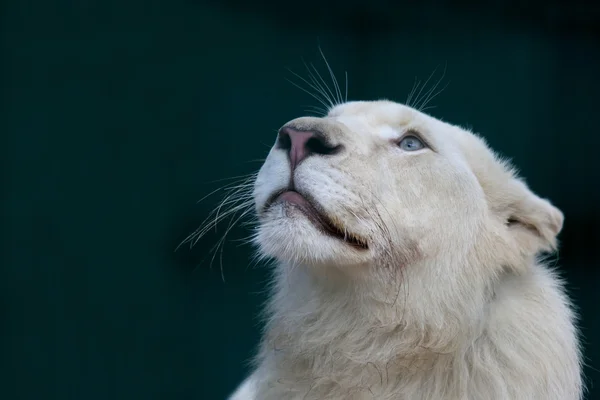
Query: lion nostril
x: 319, y: 146
x: 284, y: 141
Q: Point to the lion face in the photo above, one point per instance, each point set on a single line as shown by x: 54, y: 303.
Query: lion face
x: 380, y: 184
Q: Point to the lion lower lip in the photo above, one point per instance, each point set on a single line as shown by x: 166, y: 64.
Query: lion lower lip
x: 318, y: 219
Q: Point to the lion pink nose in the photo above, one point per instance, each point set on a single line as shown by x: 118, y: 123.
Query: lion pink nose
x: 301, y: 144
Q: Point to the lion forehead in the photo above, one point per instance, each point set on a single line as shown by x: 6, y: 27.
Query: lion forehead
x: 381, y: 112
x: 387, y: 120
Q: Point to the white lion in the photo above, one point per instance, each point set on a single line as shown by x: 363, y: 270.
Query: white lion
x: 406, y: 266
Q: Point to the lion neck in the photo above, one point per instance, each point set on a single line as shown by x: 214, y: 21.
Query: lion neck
x: 314, y: 315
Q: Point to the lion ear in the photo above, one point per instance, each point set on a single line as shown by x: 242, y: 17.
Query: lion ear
x: 534, y: 222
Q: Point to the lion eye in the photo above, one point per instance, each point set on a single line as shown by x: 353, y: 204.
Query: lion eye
x: 411, y: 143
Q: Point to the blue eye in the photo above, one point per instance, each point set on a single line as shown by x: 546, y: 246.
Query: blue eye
x: 411, y: 143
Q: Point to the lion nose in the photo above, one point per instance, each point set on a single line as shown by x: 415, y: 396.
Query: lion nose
x: 302, y: 144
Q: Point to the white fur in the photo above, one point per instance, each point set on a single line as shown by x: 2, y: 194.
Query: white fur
x: 449, y: 302
x: 245, y: 391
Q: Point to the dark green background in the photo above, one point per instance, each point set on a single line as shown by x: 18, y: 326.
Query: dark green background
x: 116, y: 114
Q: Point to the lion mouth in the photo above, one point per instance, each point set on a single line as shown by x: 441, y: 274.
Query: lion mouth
x: 319, y: 219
